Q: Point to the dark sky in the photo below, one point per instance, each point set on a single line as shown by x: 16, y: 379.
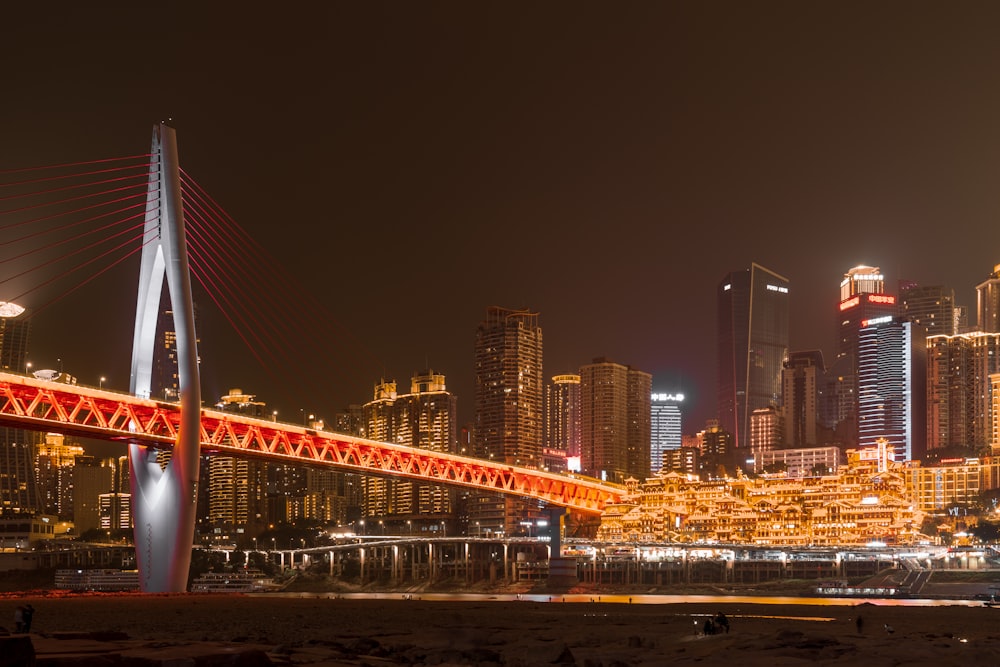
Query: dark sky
x: 604, y: 164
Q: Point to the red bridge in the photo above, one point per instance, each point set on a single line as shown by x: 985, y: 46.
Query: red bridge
x: 40, y: 405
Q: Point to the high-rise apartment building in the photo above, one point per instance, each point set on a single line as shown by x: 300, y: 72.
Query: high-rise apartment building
x: 752, y: 343
x: 665, y: 427
x: 92, y: 478
x: 766, y: 435
x: 425, y: 418
x: 892, y: 386
x: 562, y: 414
x: 509, y: 408
x: 988, y: 303
x: 18, y: 487
x: 959, y: 394
x: 237, y: 487
x: 54, y: 464
x: 801, y: 380
x: 615, y: 410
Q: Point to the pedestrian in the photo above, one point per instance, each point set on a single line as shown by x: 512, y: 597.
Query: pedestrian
x: 859, y: 623
x: 722, y: 622
x: 709, y: 627
x: 26, y: 615
x: 19, y: 620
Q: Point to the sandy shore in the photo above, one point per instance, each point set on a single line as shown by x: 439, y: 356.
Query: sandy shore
x: 325, y: 631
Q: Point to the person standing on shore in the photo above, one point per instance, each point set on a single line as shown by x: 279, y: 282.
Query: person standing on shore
x: 19, y: 620
x: 26, y: 615
x: 859, y: 623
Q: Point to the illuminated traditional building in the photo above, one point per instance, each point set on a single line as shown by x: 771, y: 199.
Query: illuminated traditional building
x: 665, y: 427
x: 509, y: 409
x: 892, y: 386
x: 856, y: 505
x: 615, y: 410
x: 752, y: 346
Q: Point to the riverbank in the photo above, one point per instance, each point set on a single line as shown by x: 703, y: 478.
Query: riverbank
x: 343, y: 631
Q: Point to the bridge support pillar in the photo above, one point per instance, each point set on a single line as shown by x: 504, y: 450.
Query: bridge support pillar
x: 163, y: 498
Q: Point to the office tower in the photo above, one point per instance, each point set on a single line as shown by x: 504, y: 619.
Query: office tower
x: 425, y: 418
x: 237, y: 486
x: 562, y: 414
x: 665, y: 427
x: 18, y: 488
x: 92, y: 477
x: 930, y: 306
x: 801, y: 379
x: 994, y: 413
x: 766, y: 435
x: 752, y: 344
x: 959, y: 400
x: 988, y: 303
x: 862, y: 298
x: 615, y: 417
x: 509, y: 404
x: 892, y: 386
x: 115, y: 511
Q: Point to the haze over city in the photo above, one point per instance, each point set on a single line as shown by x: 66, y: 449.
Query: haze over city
x: 411, y: 165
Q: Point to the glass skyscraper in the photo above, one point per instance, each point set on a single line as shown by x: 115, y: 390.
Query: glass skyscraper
x: 753, y: 344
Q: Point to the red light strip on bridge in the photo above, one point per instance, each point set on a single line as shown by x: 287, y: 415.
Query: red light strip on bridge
x: 39, y: 405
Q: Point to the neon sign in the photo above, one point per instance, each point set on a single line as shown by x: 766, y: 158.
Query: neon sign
x: 881, y: 298
x: 776, y: 288
x: 850, y: 303
x: 876, y: 320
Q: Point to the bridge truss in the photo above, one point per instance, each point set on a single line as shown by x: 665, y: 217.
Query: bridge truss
x: 42, y: 405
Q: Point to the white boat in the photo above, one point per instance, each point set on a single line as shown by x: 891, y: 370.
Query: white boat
x: 239, y: 581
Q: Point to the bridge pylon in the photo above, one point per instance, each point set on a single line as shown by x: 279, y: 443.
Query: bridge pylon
x: 164, y: 499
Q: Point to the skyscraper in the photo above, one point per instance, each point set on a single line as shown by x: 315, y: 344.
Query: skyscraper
x: 237, y: 487
x: 509, y: 406
x: 930, y: 306
x: 665, y: 427
x: 988, y: 303
x: 425, y: 418
x: 892, y: 386
x: 862, y: 299
x: 959, y: 402
x: 752, y: 344
x: 18, y: 487
x: 615, y: 417
x: 801, y: 380
x: 562, y: 414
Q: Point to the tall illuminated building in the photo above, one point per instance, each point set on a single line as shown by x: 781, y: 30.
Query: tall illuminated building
x: 54, y: 462
x: 988, y: 303
x: 509, y: 407
x: 892, y: 386
x: 615, y: 411
x: 18, y: 487
x: 664, y: 426
x: 752, y: 346
x: 424, y: 418
x: 959, y: 390
x: 801, y: 380
x: 237, y: 486
x: 562, y: 415
x: 930, y: 306
x: 862, y: 298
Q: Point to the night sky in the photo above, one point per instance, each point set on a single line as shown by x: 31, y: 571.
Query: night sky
x: 604, y: 164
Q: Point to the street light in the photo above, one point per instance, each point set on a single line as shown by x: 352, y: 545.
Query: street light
x: 27, y: 368
x: 274, y: 416
x: 361, y: 522
x: 409, y: 526
x: 101, y: 386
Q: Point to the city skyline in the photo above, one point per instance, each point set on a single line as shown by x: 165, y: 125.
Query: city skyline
x: 605, y: 168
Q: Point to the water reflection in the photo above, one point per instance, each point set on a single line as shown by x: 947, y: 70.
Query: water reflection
x: 638, y: 599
